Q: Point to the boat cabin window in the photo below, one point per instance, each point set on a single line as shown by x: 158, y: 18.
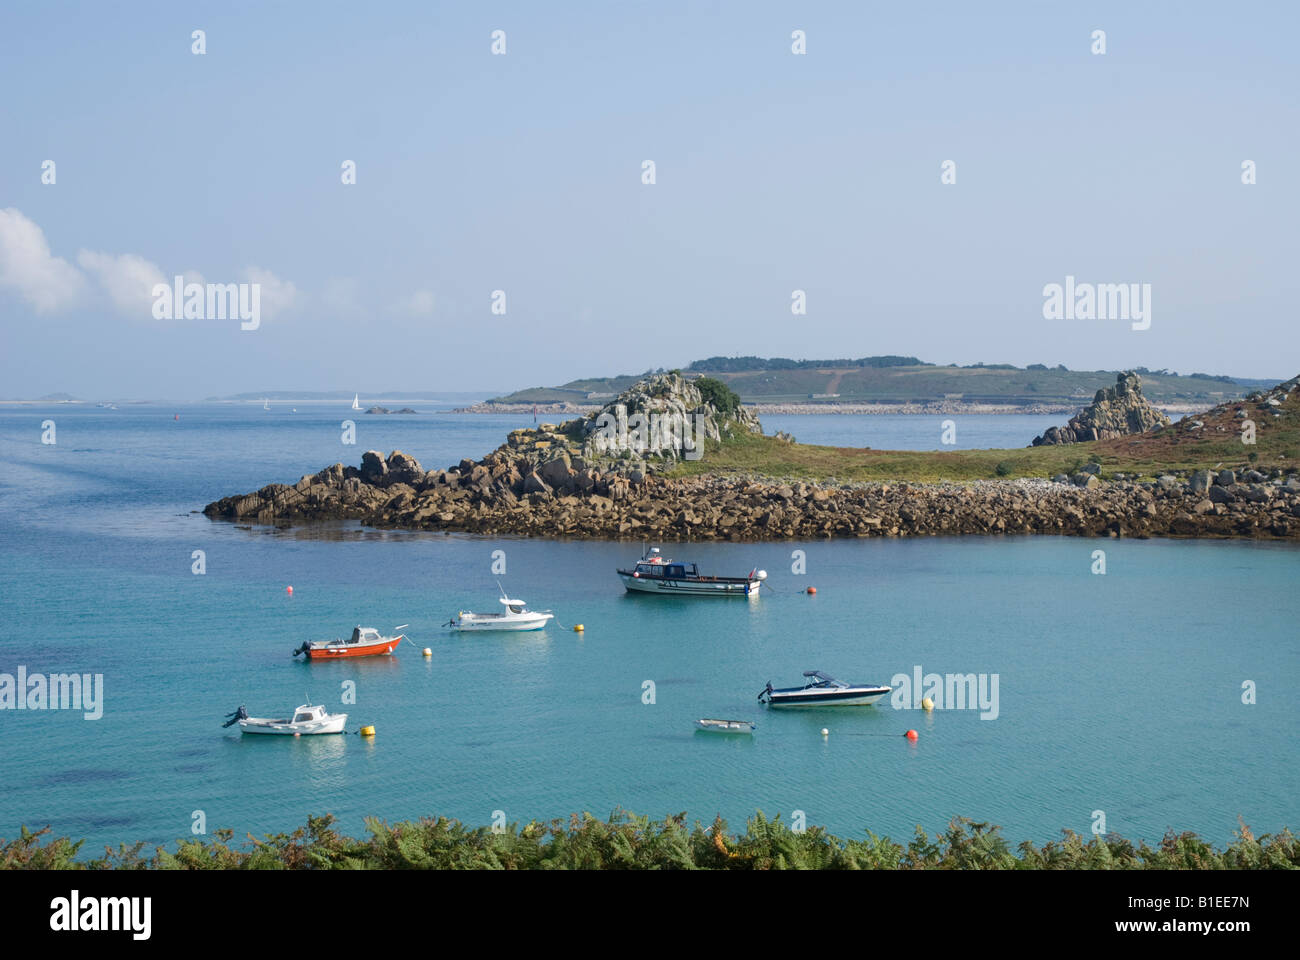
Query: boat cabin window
x: 301, y: 717
x: 650, y: 569
x: 675, y: 570
x: 515, y: 607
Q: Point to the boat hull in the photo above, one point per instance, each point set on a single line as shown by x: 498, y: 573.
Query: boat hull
x: 498, y: 625
x: 690, y: 588
x: 343, y: 651
x: 862, y: 697
x: 282, y: 728
x: 726, y: 726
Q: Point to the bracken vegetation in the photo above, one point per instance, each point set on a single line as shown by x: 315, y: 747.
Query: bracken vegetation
x: 628, y: 842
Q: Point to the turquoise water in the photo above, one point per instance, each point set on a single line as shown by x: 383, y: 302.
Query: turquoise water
x: 1119, y: 693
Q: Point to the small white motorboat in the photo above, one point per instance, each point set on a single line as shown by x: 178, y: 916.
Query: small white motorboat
x: 307, y: 719
x: 516, y: 617
x: 726, y: 726
x: 823, y: 691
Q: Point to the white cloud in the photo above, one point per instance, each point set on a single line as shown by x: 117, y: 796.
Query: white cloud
x: 418, y: 304
x: 126, y: 278
x: 278, y: 296
x: 47, y: 282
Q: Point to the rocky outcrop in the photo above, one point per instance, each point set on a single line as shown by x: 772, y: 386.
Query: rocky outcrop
x: 1116, y: 411
x: 495, y: 496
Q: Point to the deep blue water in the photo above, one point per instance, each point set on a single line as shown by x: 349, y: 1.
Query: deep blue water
x: 1119, y: 693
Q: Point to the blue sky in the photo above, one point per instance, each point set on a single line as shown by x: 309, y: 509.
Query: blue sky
x: 522, y: 173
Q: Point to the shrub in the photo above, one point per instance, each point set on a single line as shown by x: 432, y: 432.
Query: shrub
x: 723, y: 399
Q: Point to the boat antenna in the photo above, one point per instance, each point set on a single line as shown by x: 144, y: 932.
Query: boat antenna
x: 504, y: 595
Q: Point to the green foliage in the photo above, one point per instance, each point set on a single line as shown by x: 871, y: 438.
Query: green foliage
x: 725, y: 400
x: 627, y: 841
x: 1004, y: 468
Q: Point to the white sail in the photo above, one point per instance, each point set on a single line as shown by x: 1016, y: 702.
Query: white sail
x: 356, y: 401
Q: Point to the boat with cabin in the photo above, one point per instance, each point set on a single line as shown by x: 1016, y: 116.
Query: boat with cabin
x: 655, y: 573
x: 364, y: 642
x: 306, y: 720
x: 516, y: 617
x: 822, y: 690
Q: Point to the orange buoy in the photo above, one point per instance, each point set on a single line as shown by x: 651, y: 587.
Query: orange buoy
x: 911, y: 735
x: 811, y: 590
x: 289, y: 591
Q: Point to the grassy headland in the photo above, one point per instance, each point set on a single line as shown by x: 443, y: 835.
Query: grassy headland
x: 1179, y: 448
x: 904, y: 380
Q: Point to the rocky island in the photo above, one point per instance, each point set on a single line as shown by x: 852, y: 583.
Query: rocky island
x: 675, y: 459
x: 1114, y: 412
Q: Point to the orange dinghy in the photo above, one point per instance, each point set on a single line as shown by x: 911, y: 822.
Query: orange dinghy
x: 364, y: 642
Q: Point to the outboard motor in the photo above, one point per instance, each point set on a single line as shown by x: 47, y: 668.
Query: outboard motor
x: 234, y: 718
x: 303, y: 649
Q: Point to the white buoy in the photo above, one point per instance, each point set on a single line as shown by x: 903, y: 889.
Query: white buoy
x: 825, y: 732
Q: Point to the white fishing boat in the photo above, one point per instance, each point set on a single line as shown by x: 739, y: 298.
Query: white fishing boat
x: 516, y: 616
x: 823, y: 691
x: 655, y: 573
x: 726, y: 726
x: 306, y: 720
x: 356, y: 401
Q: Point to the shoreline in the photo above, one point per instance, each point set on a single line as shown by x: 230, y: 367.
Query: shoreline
x: 586, y: 504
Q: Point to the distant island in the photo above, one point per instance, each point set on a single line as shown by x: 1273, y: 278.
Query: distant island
x: 382, y: 410
x: 894, y: 380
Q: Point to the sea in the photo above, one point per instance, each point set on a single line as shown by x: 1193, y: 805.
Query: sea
x: 1127, y: 686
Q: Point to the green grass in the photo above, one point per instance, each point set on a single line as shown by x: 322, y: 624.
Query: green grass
x: 1147, y: 455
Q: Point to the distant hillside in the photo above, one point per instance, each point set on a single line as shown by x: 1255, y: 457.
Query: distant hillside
x: 905, y: 380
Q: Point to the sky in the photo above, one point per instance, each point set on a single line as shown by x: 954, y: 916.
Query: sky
x: 523, y: 172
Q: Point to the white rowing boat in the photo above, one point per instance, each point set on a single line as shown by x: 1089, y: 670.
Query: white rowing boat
x: 726, y: 726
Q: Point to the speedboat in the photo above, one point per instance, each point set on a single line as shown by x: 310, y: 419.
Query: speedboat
x: 307, y: 719
x: 654, y: 573
x: 823, y: 690
x: 726, y: 726
x: 364, y: 642
x: 515, y: 617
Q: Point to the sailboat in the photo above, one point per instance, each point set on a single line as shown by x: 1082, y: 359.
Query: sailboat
x: 266, y: 403
x: 356, y: 401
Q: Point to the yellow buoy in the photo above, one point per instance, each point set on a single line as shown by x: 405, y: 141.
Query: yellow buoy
x: 927, y: 704
x: 367, y: 731
x: 578, y: 628
x: 428, y: 651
